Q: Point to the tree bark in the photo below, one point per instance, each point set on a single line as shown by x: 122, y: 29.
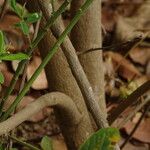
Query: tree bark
x: 86, y: 35
x: 61, y: 79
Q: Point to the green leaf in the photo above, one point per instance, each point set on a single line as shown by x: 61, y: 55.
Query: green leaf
x: 31, y: 18
x: 46, y: 143
x: 16, y: 8
x: 23, y: 26
x: 2, y: 43
x: 1, y: 78
x: 13, y: 149
x: 18, y: 56
x: 104, y: 139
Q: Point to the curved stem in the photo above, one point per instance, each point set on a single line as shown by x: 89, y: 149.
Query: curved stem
x: 55, y: 99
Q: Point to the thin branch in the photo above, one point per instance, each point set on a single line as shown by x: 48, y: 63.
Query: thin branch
x: 124, y: 46
x: 77, y: 70
x: 55, y: 99
x: 23, y: 143
x: 30, y: 51
x: 129, y: 101
x: 52, y: 51
x: 126, y: 119
x: 135, y: 128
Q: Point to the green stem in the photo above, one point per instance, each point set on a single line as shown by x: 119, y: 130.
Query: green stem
x: 24, y: 143
x: 33, y: 45
x: 47, y: 58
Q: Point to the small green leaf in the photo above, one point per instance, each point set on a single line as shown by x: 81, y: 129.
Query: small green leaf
x: 2, y: 43
x: 23, y: 26
x: 16, y: 8
x: 18, y: 56
x: 31, y: 18
x: 104, y: 139
x: 46, y: 143
x: 13, y: 149
x: 1, y: 78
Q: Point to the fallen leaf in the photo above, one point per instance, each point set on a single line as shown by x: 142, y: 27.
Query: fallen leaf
x: 142, y: 133
x: 140, y: 55
x: 7, y: 79
x: 130, y: 146
x: 14, y: 37
x: 123, y: 66
x: 148, y: 68
x: 41, y: 81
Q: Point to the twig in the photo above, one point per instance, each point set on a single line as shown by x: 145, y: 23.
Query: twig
x: 30, y: 51
x: 124, y: 45
x: 54, y: 99
x: 25, y: 67
x: 37, y: 28
x: 126, y: 119
x: 24, y: 143
x: 54, y: 49
x: 135, y: 128
x: 129, y: 101
x: 77, y: 70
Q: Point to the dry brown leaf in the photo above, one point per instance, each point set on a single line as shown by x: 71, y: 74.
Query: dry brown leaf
x: 140, y: 55
x: 1, y: 2
x: 14, y: 37
x: 41, y: 81
x: 143, y: 131
x: 58, y: 143
x: 130, y: 146
x: 108, y: 18
x: 148, y: 68
x: 7, y: 79
x: 125, y: 68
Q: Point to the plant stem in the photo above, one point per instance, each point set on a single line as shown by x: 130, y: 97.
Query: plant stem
x: 47, y: 58
x: 33, y: 45
x: 24, y: 143
x: 136, y: 109
x: 131, y: 99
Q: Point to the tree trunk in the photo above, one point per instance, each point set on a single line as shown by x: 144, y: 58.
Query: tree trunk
x: 87, y: 35
x: 61, y: 79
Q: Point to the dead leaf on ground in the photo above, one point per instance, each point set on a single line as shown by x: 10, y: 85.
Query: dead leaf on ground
x: 148, y: 68
x: 140, y: 55
x: 130, y: 146
x: 125, y: 68
x: 7, y: 79
x: 58, y: 143
x: 41, y: 81
x: 14, y: 37
x: 143, y: 131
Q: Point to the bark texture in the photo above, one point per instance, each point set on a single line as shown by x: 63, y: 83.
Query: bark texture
x: 61, y: 79
x: 87, y: 35
x: 76, y: 68
x: 55, y: 99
